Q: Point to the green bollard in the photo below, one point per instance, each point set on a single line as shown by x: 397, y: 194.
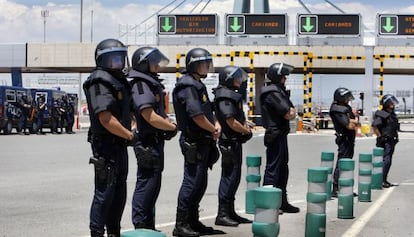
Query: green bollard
x: 346, y: 193
x: 364, y: 178
x: 377, y: 166
x: 142, y: 233
x: 268, y: 200
x: 253, y: 181
x: 316, y: 202
x: 327, y: 160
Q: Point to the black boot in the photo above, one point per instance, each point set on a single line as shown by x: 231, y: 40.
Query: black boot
x: 182, y: 227
x: 287, y: 207
x: 196, y: 225
x: 335, y: 190
x: 223, y: 217
x: 234, y: 216
x: 96, y: 234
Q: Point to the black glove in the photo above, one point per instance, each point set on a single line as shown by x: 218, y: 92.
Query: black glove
x: 168, y: 135
x: 245, y: 137
x: 135, y: 137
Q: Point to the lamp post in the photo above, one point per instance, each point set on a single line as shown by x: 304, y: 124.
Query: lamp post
x: 44, y: 14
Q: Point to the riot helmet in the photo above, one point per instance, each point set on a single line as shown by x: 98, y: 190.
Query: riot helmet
x: 343, y: 95
x: 146, y: 56
x: 111, y: 55
x: 196, y: 58
x: 277, y: 71
x: 230, y: 74
x: 389, y: 101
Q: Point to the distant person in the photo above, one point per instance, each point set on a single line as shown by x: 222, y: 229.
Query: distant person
x: 154, y: 128
x: 108, y: 96
x: 344, y: 122
x: 385, y: 125
x: 70, y: 114
x: 235, y: 131
x: 277, y: 111
x: 25, y: 106
x: 41, y: 108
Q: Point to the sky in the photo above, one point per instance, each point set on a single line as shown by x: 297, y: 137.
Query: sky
x: 21, y: 20
x: 133, y: 23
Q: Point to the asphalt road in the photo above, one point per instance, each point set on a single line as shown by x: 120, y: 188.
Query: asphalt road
x: 46, y: 187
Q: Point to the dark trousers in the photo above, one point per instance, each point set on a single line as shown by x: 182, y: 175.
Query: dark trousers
x: 387, y: 158
x: 277, y: 169
x: 23, y: 122
x: 40, y: 121
x: 147, y: 189
x: 109, y: 198
x: 230, y: 174
x: 194, y: 183
x: 345, y: 150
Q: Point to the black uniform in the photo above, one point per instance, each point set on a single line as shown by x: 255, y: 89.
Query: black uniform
x: 41, y: 108
x: 190, y: 99
x: 275, y: 103
x: 229, y: 104
x: 24, y: 105
x: 345, y: 138
x: 104, y: 92
x: 387, y: 124
x: 147, y: 92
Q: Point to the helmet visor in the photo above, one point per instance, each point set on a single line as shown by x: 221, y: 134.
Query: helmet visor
x: 156, y: 57
x: 391, y: 100
x: 347, y: 95
x: 114, y: 60
x: 238, y: 75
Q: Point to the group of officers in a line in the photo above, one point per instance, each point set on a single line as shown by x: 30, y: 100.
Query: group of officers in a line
x: 62, y: 115
x: 126, y: 107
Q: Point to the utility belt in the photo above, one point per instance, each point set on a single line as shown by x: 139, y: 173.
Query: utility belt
x: 145, y: 157
x: 381, y: 140
x: 192, y: 155
x: 341, y: 137
x: 105, y: 170
x: 112, y: 139
x: 272, y: 134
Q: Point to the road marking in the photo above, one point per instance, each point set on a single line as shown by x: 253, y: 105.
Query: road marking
x: 360, y: 223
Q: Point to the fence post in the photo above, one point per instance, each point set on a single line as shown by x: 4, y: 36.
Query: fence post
x: 328, y: 162
x: 377, y: 166
x: 364, y: 178
x: 316, y: 202
x: 253, y: 181
x: 267, y: 200
x: 346, y: 184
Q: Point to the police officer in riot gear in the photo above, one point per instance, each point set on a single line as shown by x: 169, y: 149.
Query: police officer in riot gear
x: 235, y: 131
x: 277, y: 110
x: 154, y: 128
x: 108, y: 96
x: 344, y: 122
x: 41, y: 107
x: 385, y: 125
x: 199, y: 132
x: 25, y: 105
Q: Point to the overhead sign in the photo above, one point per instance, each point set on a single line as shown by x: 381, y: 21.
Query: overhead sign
x: 256, y: 24
x: 326, y: 24
x: 201, y: 24
x: 390, y: 24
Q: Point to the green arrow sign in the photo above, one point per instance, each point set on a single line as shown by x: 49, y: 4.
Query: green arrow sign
x: 388, y: 25
x: 308, y: 26
x: 235, y: 26
x: 166, y: 26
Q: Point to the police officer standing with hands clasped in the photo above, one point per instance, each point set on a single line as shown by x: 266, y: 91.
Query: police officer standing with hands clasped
x: 277, y: 110
x: 154, y: 128
x: 385, y: 126
x: 199, y: 132
x: 108, y: 96
x: 229, y: 111
x: 344, y: 122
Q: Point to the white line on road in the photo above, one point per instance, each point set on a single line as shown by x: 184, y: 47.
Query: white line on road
x: 363, y: 220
